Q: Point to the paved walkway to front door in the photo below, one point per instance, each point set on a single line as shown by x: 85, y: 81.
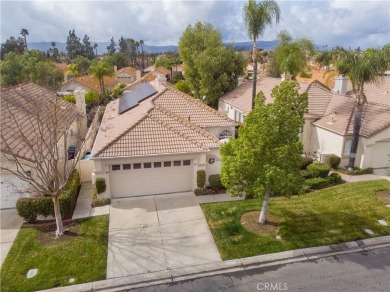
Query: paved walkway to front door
x: 156, y: 233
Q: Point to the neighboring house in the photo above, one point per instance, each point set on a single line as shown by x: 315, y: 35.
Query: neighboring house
x: 158, y: 71
x: 32, y: 117
x: 329, y: 120
x: 127, y: 75
x: 88, y: 83
x: 154, y: 139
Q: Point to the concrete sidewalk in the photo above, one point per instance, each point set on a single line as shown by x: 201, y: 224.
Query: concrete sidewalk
x: 225, y: 267
x: 363, y: 177
x: 217, y: 198
x: 83, y: 207
x: 10, y: 224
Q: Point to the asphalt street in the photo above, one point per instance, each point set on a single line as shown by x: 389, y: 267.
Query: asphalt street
x: 363, y: 271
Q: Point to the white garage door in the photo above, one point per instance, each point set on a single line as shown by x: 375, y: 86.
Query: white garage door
x: 380, y: 154
x: 9, y: 195
x: 149, y: 178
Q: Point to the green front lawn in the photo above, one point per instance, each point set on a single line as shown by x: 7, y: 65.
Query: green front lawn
x: 83, y: 258
x: 332, y: 215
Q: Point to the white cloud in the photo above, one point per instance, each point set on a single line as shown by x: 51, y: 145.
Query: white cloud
x: 348, y: 23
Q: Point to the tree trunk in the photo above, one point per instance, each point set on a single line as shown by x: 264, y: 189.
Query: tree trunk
x: 254, y: 58
x: 264, y: 207
x: 357, y: 122
x: 57, y: 214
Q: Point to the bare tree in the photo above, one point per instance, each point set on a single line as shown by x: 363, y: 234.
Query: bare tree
x: 35, y: 131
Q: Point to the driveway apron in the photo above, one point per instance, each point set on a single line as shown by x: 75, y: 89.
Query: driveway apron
x: 156, y: 233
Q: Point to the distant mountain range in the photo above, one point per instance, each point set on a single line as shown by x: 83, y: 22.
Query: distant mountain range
x: 102, y: 46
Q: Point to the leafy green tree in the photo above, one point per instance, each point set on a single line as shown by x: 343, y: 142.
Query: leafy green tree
x: 74, y: 47
x: 122, y: 45
x: 12, y: 45
x: 361, y: 68
x: 111, y: 48
x: 292, y: 55
x: 24, y: 33
x: 53, y: 52
x: 31, y: 66
x: 118, y: 59
x: 324, y: 59
x: 87, y: 48
x: 199, y: 47
x: 117, y: 91
x: 272, y: 70
x: 265, y: 159
x: 257, y: 16
x: 91, y: 99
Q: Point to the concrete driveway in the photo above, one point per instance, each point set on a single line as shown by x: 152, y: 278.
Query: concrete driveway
x: 155, y: 233
x: 10, y: 223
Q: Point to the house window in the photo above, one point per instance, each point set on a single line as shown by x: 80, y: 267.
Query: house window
x: 137, y: 165
x: 116, y: 167
x: 186, y: 162
x: 177, y: 163
x: 157, y: 164
x: 225, y: 135
x: 126, y: 166
x: 347, y: 147
x: 167, y: 163
x: 211, y: 160
x: 147, y: 165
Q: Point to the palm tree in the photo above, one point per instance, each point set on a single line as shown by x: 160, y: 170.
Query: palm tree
x: 95, y: 48
x: 98, y: 72
x: 257, y: 15
x: 361, y: 68
x: 141, y: 42
x: 292, y: 55
x: 24, y: 33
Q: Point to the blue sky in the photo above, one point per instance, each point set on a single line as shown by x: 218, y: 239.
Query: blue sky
x: 331, y: 22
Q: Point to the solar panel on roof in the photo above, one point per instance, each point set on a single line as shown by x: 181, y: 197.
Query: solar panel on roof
x: 132, y: 99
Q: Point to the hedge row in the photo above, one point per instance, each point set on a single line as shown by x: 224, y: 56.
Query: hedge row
x: 30, y: 208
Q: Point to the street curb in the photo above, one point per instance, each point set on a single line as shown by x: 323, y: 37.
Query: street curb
x: 226, y: 267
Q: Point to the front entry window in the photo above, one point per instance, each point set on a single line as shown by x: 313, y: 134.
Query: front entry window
x: 225, y: 135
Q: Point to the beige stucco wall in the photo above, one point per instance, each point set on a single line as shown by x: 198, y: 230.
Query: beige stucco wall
x: 216, y: 131
x: 123, y: 77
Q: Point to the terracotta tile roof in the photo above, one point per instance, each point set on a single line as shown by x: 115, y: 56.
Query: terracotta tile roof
x: 162, y: 70
x: 192, y: 109
x: 318, y: 99
x: 339, y: 114
x: 62, y: 66
x: 93, y: 83
x: 27, y: 120
x: 149, y: 77
x: 378, y: 93
x: 241, y: 97
x: 128, y: 70
x: 158, y: 125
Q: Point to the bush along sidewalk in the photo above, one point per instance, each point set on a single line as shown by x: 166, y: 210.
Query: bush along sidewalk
x: 317, y: 176
x: 356, y: 170
x: 30, y: 208
x: 100, y: 187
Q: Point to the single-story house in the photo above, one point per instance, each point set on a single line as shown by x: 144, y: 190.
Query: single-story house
x: 154, y: 139
x: 34, y: 120
x: 89, y: 83
x: 329, y: 120
x: 127, y: 75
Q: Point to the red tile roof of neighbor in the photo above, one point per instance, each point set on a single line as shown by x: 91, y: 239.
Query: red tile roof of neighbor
x: 33, y: 119
x: 332, y: 111
x: 92, y: 83
x: 167, y: 122
x: 128, y: 70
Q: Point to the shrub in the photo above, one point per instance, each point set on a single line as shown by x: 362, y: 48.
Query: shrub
x: 356, y: 170
x: 101, y: 113
x: 337, y: 177
x: 70, y: 98
x: 306, y: 161
x: 319, y: 169
x: 316, y: 183
x: 27, y: 209
x: 30, y: 208
x: 100, y: 185
x: 183, y: 86
x: 305, y: 174
x: 200, y: 178
x: 199, y: 192
x: 215, y: 181
x: 333, y: 161
x: 92, y: 98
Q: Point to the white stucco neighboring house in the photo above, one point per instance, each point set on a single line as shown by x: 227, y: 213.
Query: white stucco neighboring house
x: 127, y: 75
x: 154, y: 139
x: 32, y: 117
x: 329, y: 120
